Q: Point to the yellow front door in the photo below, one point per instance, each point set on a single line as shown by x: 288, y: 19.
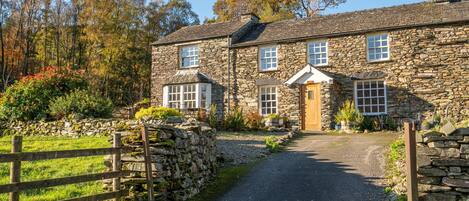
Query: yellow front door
x: 312, y: 107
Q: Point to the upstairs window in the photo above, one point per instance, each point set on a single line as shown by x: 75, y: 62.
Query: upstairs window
x: 370, y: 97
x: 268, y: 58
x: 378, y: 47
x: 189, y: 56
x: 317, y: 53
x: 187, y: 96
x: 268, y: 100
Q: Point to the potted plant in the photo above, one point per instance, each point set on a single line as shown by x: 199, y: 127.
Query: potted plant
x: 274, y: 120
x: 347, y: 115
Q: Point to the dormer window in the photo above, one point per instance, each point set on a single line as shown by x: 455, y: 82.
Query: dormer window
x: 378, y: 47
x: 189, y: 56
x: 268, y: 58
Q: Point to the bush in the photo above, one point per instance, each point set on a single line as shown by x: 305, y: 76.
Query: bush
x: 202, y: 115
x: 29, y: 98
x: 254, y: 121
x: 235, y: 120
x: 348, y: 113
x: 272, y: 144
x: 81, y: 103
x: 273, y: 116
x: 212, y: 116
x: 161, y: 113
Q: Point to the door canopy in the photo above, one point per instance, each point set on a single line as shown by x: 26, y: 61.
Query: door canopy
x: 309, y: 74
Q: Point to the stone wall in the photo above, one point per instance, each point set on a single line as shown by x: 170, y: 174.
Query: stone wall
x: 443, y: 164
x: 183, y: 160
x: 75, y: 128
x: 213, y: 62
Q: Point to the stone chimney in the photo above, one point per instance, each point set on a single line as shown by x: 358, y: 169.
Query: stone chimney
x: 245, y: 17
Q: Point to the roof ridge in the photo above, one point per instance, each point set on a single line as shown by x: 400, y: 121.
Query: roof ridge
x: 354, y: 12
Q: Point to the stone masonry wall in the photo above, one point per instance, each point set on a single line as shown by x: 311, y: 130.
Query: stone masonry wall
x: 213, y: 62
x: 443, y: 165
x: 428, y: 71
x: 75, y: 128
x: 183, y: 160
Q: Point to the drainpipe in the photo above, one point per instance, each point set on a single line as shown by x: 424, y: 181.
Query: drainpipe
x: 229, y: 74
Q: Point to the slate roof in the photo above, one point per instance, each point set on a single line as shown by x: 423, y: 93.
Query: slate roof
x: 188, y: 76
x: 381, y: 19
x: 368, y: 75
x: 199, y: 32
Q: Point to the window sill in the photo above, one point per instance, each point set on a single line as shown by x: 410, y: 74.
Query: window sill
x: 188, y: 67
x: 380, y: 61
x: 268, y: 71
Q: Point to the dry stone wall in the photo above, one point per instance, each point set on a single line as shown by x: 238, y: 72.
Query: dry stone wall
x: 183, y: 160
x: 443, y: 165
x: 71, y: 128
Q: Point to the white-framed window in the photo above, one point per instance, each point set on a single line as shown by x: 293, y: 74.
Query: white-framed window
x: 268, y: 100
x: 187, y: 96
x: 174, y: 96
x: 378, y: 47
x: 317, y: 53
x: 371, y: 97
x: 189, y: 56
x: 268, y: 58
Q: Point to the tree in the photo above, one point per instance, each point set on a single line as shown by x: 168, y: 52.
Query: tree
x: 271, y: 10
x: 309, y: 8
x: 267, y: 10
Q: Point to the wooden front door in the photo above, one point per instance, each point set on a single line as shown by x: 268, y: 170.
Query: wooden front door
x: 312, y: 107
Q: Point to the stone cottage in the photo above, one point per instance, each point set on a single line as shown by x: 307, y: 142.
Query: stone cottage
x: 403, y: 61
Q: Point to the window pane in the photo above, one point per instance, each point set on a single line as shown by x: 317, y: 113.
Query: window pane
x: 268, y: 58
x: 370, y: 96
x: 317, y: 53
x: 189, y: 56
x: 268, y: 102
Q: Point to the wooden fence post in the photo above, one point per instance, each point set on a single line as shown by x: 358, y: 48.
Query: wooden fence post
x: 15, y: 168
x: 147, y: 157
x: 411, y: 160
x: 116, y: 163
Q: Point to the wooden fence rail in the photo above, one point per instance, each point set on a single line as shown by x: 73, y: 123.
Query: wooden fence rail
x: 17, y: 156
x: 411, y: 160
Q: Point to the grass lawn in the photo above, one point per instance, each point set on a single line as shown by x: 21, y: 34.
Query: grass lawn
x: 225, y: 179
x: 48, y: 169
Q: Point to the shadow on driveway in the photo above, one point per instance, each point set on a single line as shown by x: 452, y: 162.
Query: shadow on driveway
x: 318, y: 168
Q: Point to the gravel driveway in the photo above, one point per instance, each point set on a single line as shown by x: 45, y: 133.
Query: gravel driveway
x: 243, y: 147
x: 319, y: 168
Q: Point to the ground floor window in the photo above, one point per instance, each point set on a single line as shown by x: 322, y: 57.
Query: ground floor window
x: 370, y: 97
x: 187, y: 96
x: 268, y: 100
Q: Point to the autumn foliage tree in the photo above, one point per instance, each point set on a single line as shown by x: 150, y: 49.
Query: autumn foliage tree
x: 272, y: 10
x: 108, y: 39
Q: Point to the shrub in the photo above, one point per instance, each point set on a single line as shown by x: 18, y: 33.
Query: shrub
x: 29, y: 98
x: 272, y: 144
x: 157, y: 113
x: 390, y: 124
x: 347, y: 113
x: 235, y: 120
x: 254, y: 120
x: 273, y: 116
x: 82, y: 103
x: 212, y: 116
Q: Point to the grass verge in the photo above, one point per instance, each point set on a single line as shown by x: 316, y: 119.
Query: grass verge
x: 47, y: 169
x: 225, y: 179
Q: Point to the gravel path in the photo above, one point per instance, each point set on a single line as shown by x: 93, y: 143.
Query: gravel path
x: 319, y: 168
x: 243, y: 147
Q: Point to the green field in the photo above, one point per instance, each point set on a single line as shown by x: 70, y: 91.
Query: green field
x: 38, y: 170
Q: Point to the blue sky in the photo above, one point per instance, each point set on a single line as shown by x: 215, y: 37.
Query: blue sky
x: 204, y: 7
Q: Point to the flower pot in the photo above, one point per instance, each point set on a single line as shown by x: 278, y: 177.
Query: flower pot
x: 345, y: 126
